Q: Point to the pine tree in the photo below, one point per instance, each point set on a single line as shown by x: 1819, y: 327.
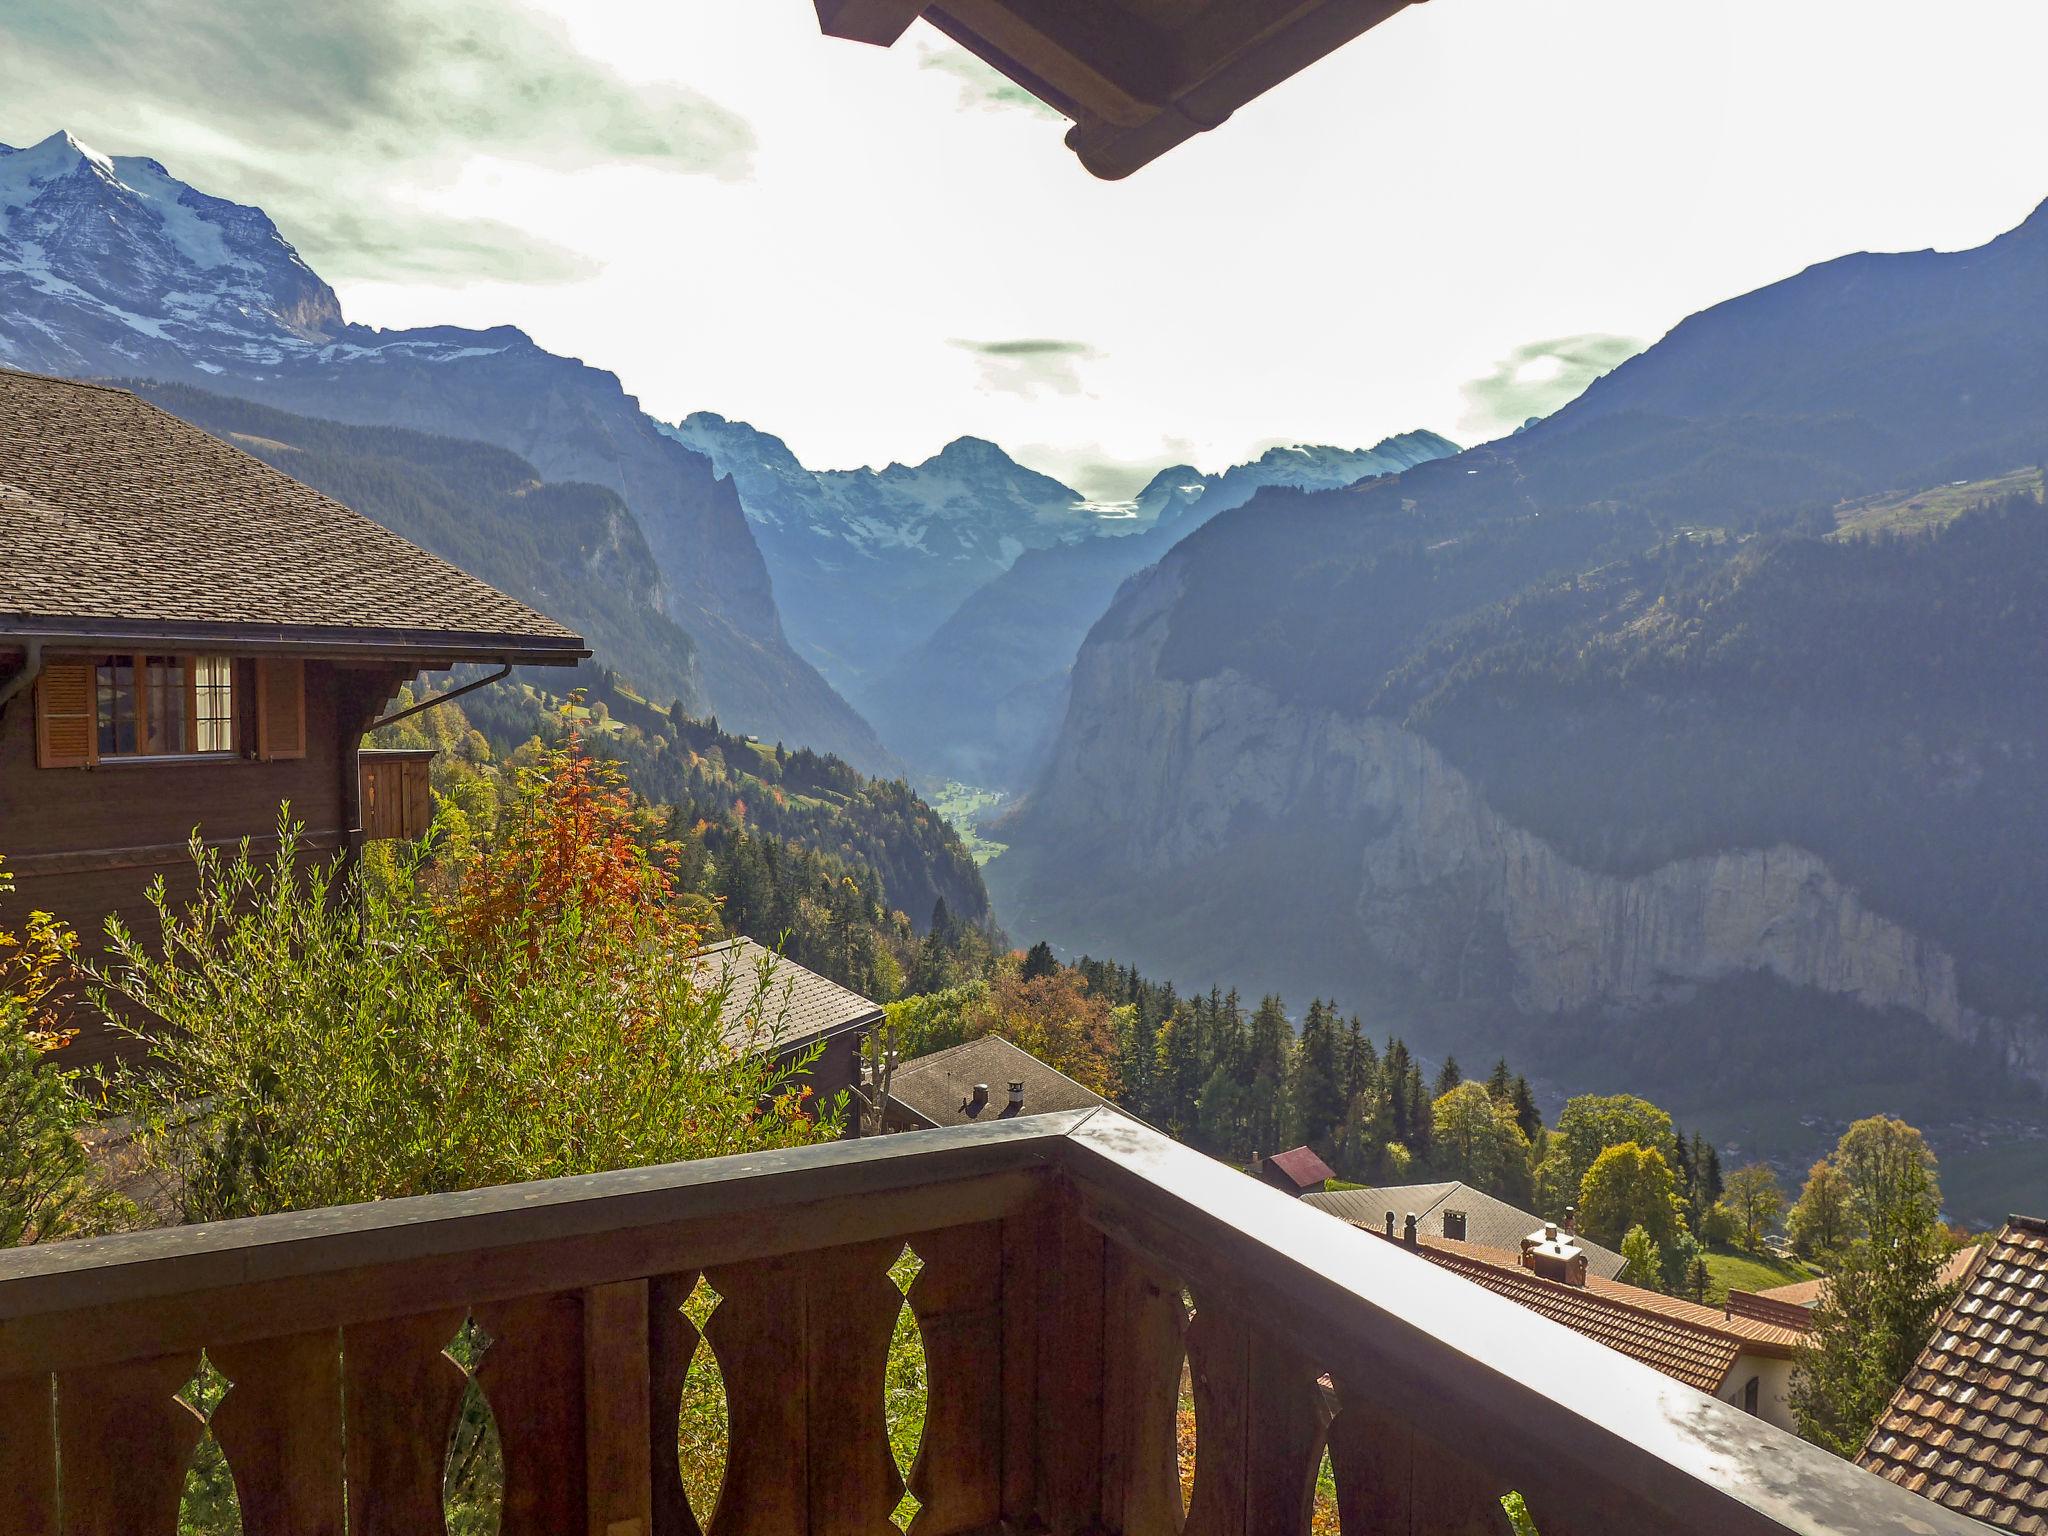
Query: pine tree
x: 1498, y: 1083
x: 1527, y: 1115
x: 1317, y: 1089
x: 1448, y: 1078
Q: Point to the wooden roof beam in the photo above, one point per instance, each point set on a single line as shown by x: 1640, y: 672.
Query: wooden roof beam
x: 880, y: 22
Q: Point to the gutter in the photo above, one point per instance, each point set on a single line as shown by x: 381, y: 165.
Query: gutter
x: 32, y: 668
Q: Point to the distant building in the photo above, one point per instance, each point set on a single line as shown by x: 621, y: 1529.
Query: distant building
x: 1455, y: 1211
x: 1807, y: 1294
x: 1298, y: 1172
x: 798, y: 1011
x: 1741, y: 1360
x: 1968, y: 1428
x: 983, y: 1080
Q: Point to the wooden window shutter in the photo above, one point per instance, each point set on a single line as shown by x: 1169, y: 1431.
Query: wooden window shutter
x: 67, y: 726
x: 280, y: 708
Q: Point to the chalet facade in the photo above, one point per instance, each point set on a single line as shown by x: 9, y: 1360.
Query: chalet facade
x: 786, y: 1011
x: 190, y: 641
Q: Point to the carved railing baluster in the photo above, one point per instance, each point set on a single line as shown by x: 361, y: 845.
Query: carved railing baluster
x: 671, y: 1341
x: 850, y: 1311
x: 280, y: 1429
x: 532, y: 1375
x: 1260, y: 1419
x: 127, y: 1442
x: 1390, y: 1478
x: 617, y: 1406
x: 757, y: 1332
x: 400, y: 1393
x: 958, y: 1300
x: 804, y: 1347
x: 1145, y: 1324
x: 1069, y: 1256
x: 28, y: 1457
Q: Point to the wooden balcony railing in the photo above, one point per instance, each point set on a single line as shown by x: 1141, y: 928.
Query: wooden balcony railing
x: 1059, y: 1254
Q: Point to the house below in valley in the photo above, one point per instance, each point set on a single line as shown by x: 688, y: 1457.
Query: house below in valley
x: 190, y: 641
x: 1297, y: 1172
x: 1456, y: 1211
x: 776, y: 1006
x: 982, y: 1080
x: 1968, y: 1428
x: 1741, y: 1360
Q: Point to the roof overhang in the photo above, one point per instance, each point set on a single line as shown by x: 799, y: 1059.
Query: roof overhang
x: 424, y: 649
x: 1138, y: 77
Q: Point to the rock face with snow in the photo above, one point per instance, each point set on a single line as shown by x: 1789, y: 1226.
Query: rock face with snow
x: 112, y: 268
x: 980, y: 698
x: 868, y: 561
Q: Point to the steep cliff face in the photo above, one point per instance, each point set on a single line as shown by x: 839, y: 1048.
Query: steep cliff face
x: 1154, y: 777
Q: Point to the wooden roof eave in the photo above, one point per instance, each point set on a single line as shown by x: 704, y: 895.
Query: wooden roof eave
x: 422, y: 648
x: 1134, y: 90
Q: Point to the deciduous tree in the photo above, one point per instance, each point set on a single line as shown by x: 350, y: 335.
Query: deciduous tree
x: 1756, y: 1199
x: 1629, y: 1186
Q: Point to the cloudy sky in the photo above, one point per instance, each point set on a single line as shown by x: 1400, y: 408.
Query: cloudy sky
x: 1452, y: 223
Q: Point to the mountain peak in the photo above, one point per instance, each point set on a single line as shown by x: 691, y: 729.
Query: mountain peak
x: 971, y: 451
x: 25, y: 172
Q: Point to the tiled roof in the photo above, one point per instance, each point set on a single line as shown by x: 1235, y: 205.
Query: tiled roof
x: 798, y: 1006
x: 119, y: 518
x: 1807, y: 1293
x: 1302, y: 1166
x: 1687, y: 1342
x: 1969, y: 1427
x: 939, y: 1088
x: 1489, y: 1221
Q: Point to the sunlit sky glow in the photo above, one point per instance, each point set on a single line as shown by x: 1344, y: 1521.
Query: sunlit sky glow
x: 1452, y: 223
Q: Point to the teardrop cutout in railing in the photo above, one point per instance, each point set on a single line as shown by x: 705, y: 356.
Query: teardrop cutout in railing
x: 209, y: 1505
x: 702, y: 1424
x: 908, y: 1385
x: 473, y: 1480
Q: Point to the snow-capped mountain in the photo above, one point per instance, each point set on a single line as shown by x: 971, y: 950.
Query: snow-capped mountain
x: 869, y: 561
x: 994, y: 673
x: 113, y: 268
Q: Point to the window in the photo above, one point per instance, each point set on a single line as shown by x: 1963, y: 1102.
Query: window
x: 1750, y: 1392
x: 163, y: 706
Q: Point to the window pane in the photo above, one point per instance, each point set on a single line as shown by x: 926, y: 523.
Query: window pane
x: 166, y: 704
x: 116, y: 679
x: 213, y: 704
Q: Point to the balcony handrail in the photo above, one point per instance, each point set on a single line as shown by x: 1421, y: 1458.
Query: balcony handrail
x: 1563, y: 1418
x: 1598, y: 1441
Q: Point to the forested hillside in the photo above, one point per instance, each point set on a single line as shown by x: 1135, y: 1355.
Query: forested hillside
x: 851, y: 876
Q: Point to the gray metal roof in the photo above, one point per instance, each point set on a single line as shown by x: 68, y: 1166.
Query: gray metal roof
x: 939, y: 1088
x: 1489, y: 1221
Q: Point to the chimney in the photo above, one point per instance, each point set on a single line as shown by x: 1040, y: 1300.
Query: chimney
x: 1571, y: 1219
x: 980, y: 1099
x: 1016, y: 1095
x: 1390, y: 1224
x: 1408, y: 1237
x: 1454, y: 1225
x: 1555, y: 1255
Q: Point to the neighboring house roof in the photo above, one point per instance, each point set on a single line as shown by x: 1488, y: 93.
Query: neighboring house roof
x: 1807, y: 1293
x: 122, y: 522
x: 1969, y: 1426
x: 1687, y: 1342
x: 939, y: 1089
x: 1301, y: 1167
x: 797, y: 1007
x: 1490, y: 1222
x: 1137, y: 76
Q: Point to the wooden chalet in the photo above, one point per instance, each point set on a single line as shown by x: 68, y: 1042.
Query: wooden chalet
x: 1138, y: 77
x: 190, y: 640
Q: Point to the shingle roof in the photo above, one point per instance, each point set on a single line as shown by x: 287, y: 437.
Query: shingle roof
x: 1489, y: 1221
x: 1969, y: 1426
x: 798, y: 1006
x: 939, y: 1088
x: 119, y: 519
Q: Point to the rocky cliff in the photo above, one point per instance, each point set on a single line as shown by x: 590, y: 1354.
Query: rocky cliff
x: 1157, y: 779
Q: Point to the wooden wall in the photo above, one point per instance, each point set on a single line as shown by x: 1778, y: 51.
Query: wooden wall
x: 84, y: 843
